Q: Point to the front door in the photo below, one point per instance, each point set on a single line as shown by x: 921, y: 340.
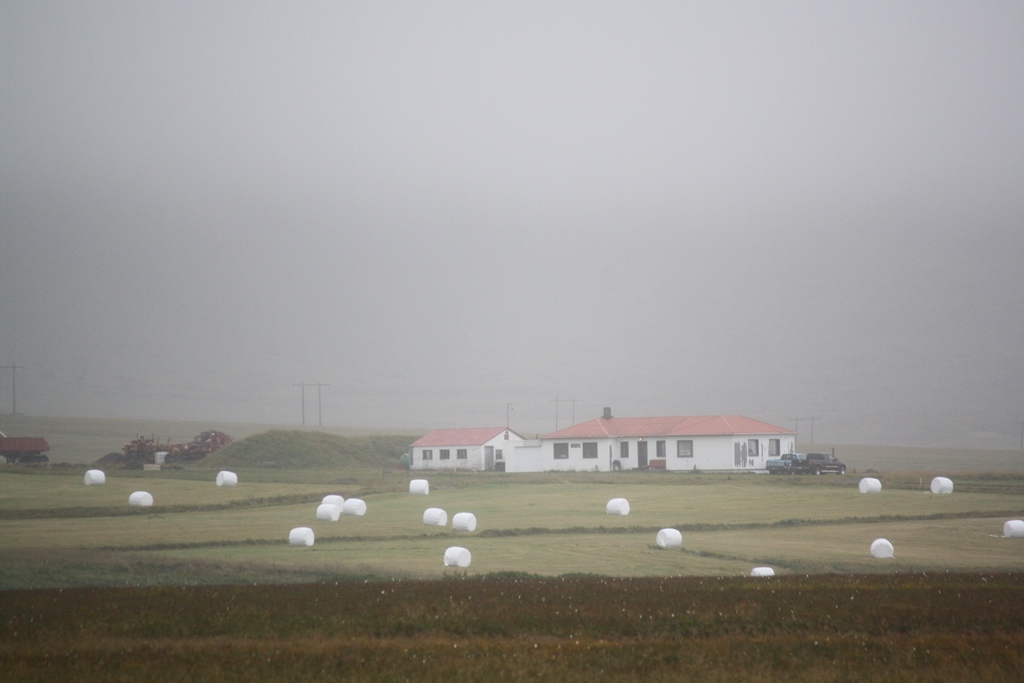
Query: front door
x: 641, y: 454
x: 489, y: 458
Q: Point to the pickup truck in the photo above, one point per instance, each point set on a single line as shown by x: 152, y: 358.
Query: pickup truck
x: 809, y: 463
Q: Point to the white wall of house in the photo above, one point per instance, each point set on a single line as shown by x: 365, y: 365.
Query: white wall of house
x: 447, y: 457
x: 527, y: 457
x: 728, y: 452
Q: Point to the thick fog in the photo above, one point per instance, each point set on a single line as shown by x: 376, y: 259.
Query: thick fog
x: 456, y: 213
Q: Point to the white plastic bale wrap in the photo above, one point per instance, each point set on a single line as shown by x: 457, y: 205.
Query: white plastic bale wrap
x: 762, y: 571
x: 419, y: 487
x: 942, y: 485
x: 354, y: 506
x: 617, y: 506
x: 870, y: 485
x: 669, y: 538
x: 140, y: 499
x: 329, y: 512
x: 301, y: 535
x: 882, y: 549
x: 457, y: 557
x: 1014, y: 529
x: 464, y: 521
x: 435, y: 517
x: 333, y: 499
x: 225, y: 478
x: 95, y: 478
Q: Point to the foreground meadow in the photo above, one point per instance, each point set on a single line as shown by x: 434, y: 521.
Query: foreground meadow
x: 941, y: 627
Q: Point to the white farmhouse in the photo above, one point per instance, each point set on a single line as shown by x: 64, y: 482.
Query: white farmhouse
x: 478, y: 448
x: 712, y: 442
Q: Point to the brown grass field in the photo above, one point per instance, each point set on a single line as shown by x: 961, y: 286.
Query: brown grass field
x: 203, y: 585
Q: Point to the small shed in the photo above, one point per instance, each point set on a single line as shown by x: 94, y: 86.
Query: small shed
x: 1014, y: 529
x: 419, y: 487
x: 464, y: 521
x: 617, y: 506
x: 328, y: 512
x: 225, y: 478
x: 942, y: 485
x: 95, y: 478
x: 301, y: 535
x: 881, y: 549
x: 870, y: 485
x: 435, y: 517
x: 140, y: 499
x: 354, y: 506
x: 669, y: 538
x: 457, y: 557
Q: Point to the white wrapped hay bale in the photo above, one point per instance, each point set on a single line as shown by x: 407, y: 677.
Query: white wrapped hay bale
x: 942, y: 485
x: 669, y: 538
x: 881, y: 549
x: 617, y: 506
x: 1014, y: 529
x: 870, y: 485
x: 300, y: 535
x: 95, y: 478
x: 354, y: 506
x: 333, y: 499
x: 328, y: 512
x: 140, y: 499
x: 457, y: 557
x: 225, y: 478
x: 464, y: 521
x: 762, y: 571
x: 419, y: 487
x: 435, y: 517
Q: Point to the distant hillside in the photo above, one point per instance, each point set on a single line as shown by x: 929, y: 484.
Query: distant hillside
x: 294, y: 449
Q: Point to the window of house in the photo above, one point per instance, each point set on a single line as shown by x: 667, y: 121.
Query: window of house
x: 561, y: 451
x: 445, y: 454
x: 659, y: 448
x: 684, y: 448
x: 589, y: 449
x: 428, y: 454
x: 624, y: 450
x: 460, y: 454
x: 752, y: 448
x: 498, y: 455
x: 774, y: 447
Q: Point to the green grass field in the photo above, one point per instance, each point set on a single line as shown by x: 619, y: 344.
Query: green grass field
x: 204, y: 586
x: 548, y: 525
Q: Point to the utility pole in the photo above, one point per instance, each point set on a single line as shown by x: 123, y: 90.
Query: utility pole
x: 557, y: 401
x: 796, y: 427
x: 319, y: 412
x: 812, y: 419
x: 14, y: 383
x: 508, y: 407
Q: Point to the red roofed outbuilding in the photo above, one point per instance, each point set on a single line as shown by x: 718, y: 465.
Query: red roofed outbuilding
x: 474, y: 448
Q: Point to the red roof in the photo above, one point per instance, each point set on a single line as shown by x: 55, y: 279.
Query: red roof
x: 705, y: 425
x: 473, y: 436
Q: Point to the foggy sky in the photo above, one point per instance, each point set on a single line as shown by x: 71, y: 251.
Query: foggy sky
x: 780, y: 210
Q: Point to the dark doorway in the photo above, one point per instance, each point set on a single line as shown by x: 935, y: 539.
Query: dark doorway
x: 641, y: 454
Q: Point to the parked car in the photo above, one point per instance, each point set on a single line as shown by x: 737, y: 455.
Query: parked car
x: 809, y: 463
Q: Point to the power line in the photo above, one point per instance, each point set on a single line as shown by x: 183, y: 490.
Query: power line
x: 14, y: 383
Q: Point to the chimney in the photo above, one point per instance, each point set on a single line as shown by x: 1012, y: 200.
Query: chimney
x: 607, y: 413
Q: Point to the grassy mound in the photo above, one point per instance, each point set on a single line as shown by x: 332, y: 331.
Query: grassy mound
x: 294, y: 449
